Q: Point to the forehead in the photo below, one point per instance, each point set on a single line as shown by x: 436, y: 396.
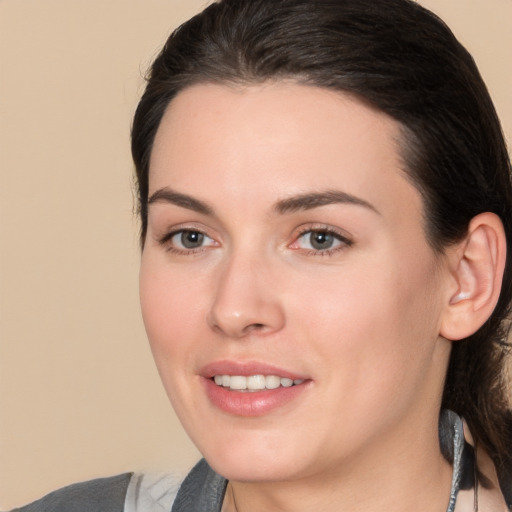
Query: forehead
x: 278, y: 139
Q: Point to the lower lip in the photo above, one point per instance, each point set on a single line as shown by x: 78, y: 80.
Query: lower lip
x: 253, y: 403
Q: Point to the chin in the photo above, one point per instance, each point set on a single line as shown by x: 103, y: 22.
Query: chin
x: 242, y: 469
x: 254, y: 456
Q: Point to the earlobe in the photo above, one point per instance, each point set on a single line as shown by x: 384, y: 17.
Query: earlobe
x: 477, y: 264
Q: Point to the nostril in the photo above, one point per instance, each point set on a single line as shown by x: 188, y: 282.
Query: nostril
x: 254, y: 327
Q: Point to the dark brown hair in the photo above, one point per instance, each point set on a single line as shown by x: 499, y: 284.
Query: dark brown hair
x: 403, y: 60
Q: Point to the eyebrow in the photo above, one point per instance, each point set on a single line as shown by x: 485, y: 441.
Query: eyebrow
x: 316, y: 199
x: 292, y: 204
x: 166, y: 195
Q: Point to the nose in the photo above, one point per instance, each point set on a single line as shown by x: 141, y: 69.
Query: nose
x: 246, y: 300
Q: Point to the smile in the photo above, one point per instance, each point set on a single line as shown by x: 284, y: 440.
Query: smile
x: 253, y: 383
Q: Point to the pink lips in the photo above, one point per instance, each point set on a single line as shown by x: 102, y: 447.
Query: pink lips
x: 255, y: 403
x: 245, y: 368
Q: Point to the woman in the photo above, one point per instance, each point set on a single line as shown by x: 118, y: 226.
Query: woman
x: 324, y: 194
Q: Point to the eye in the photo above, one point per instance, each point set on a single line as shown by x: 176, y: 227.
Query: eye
x: 186, y: 241
x: 321, y: 241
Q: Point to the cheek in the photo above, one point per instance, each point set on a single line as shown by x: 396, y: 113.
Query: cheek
x: 352, y: 326
x: 170, y: 310
x: 377, y: 321
x: 172, y: 319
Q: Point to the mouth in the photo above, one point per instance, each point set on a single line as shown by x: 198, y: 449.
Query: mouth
x: 252, y: 389
x: 253, y: 383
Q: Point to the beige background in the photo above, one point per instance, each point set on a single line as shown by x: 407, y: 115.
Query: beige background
x: 79, y: 396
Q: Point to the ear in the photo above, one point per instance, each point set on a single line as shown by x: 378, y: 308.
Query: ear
x: 477, y: 264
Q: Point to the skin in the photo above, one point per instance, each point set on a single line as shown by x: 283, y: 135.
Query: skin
x: 360, y: 320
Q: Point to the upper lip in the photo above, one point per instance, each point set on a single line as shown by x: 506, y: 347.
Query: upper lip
x: 246, y: 368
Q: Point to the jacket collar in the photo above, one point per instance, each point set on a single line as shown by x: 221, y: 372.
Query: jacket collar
x: 475, y: 485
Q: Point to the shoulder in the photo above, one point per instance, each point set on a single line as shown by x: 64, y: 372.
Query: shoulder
x: 202, y: 489
x: 100, y: 495
x: 152, y: 492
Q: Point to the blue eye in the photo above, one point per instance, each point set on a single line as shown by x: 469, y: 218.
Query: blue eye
x: 321, y: 240
x: 187, y: 240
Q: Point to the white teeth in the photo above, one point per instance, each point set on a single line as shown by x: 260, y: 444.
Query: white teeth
x: 254, y: 382
x: 272, y: 382
x: 286, y: 383
x: 238, y: 382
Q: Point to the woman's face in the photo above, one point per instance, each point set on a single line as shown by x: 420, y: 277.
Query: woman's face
x: 286, y: 244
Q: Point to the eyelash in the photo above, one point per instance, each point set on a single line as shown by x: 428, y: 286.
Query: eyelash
x: 345, y: 242
x: 165, y: 241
